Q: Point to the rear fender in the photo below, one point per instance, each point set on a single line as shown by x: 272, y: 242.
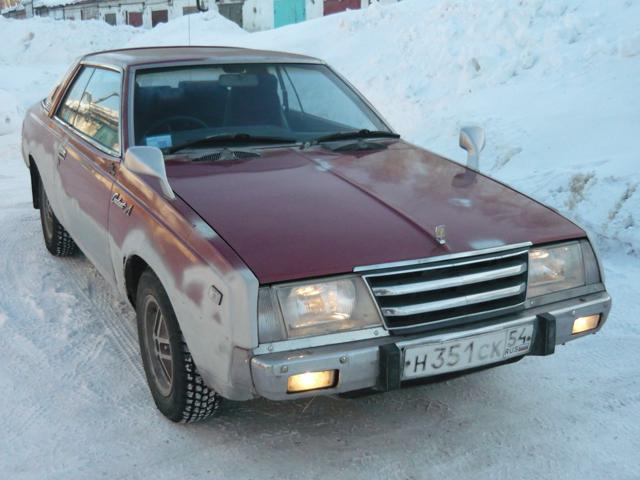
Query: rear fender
x: 35, y: 183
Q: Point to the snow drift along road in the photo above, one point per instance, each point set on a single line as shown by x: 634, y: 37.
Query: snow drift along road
x: 555, y: 84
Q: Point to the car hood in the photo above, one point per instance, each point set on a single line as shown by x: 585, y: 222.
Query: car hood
x: 293, y: 213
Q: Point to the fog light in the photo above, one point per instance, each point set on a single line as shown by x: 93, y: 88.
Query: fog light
x: 303, y: 382
x: 584, y: 324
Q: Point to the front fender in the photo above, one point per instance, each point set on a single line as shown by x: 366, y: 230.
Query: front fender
x: 172, y: 241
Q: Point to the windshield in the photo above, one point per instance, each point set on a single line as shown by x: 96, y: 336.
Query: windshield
x: 174, y: 106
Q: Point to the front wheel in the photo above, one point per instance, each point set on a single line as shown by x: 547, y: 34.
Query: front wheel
x: 176, y: 386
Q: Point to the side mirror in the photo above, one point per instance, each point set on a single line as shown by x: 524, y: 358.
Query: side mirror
x: 472, y: 140
x: 149, y: 161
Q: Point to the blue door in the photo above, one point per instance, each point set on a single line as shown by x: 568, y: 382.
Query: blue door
x: 286, y: 12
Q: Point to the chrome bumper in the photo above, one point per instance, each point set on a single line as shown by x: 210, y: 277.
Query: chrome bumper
x: 372, y: 363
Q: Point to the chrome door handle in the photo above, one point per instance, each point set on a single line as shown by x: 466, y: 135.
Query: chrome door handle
x: 62, y: 153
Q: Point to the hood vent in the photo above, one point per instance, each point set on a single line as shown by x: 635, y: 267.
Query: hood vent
x: 359, y: 146
x: 227, y: 154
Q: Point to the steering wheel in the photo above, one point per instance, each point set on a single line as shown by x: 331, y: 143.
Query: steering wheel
x: 175, y: 118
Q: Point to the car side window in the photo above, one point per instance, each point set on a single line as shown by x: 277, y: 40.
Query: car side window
x: 98, y: 114
x: 69, y: 106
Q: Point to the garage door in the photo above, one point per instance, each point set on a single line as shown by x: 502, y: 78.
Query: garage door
x: 134, y: 19
x: 335, y: 6
x: 232, y: 11
x: 286, y: 12
x: 159, y: 16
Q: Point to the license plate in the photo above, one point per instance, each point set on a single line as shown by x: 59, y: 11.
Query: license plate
x: 467, y: 352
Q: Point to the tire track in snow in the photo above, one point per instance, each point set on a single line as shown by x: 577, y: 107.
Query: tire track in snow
x: 121, y: 329
x: 61, y: 321
x: 76, y: 279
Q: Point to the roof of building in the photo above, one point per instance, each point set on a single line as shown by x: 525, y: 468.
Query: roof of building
x: 55, y: 3
x: 207, y: 54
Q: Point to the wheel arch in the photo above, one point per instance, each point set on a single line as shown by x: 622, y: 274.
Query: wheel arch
x: 217, y: 343
x: 34, y: 174
x: 134, y: 266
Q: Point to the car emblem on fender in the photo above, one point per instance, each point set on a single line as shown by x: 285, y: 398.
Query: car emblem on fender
x: 441, y: 234
x: 119, y: 202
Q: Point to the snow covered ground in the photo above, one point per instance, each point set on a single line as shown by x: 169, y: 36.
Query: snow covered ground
x: 554, y: 83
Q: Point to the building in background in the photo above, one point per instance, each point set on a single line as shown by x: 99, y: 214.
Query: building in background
x: 253, y: 15
x: 14, y: 8
x: 138, y: 13
x: 267, y: 14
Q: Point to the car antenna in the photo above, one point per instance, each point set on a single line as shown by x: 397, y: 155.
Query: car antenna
x: 200, y: 5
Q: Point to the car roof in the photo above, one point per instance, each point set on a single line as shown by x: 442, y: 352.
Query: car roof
x: 128, y: 57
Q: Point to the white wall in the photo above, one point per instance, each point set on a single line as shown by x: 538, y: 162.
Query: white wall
x: 73, y: 12
x: 257, y: 15
x: 314, y: 9
x: 56, y: 14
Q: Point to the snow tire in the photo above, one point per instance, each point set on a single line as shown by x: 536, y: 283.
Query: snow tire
x: 56, y: 238
x: 186, y: 398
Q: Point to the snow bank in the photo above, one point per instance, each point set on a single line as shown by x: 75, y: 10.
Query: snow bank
x: 35, y: 53
x: 554, y: 82
x: 10, y: 117
x: 196, y: 29
x: 41, y: 40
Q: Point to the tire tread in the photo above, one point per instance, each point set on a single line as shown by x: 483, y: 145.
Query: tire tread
x: 191, y: 399
x: 201, y: 402
x: 61, y: 244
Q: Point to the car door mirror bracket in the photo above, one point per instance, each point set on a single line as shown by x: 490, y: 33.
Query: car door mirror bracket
x: 472, y: 140
x: 149, y: 161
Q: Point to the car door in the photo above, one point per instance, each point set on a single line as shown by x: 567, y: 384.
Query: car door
x: 56, y: 147
x: 88, y: 162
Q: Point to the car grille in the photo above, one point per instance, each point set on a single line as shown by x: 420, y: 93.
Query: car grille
x: 451, y: 292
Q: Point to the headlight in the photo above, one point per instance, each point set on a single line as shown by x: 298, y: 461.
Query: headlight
x: 315, y: 308
x: 556, y: 267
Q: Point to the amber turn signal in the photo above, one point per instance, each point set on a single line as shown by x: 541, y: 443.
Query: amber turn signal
x: 303, y: 382
x: 584, y: 324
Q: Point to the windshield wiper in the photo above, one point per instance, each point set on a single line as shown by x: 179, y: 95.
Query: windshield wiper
x: 226, y: 139
x: 352, y: 134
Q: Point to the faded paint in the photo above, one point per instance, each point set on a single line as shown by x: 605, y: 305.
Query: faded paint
x: 361, y: 208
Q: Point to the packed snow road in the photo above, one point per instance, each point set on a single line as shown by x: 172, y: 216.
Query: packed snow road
x: 75, y: 403
x: 554, y: 82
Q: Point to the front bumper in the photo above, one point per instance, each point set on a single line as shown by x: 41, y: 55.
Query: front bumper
x: 376, y: 362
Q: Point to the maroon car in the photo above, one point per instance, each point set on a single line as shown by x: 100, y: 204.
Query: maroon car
x: 278, y: 239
